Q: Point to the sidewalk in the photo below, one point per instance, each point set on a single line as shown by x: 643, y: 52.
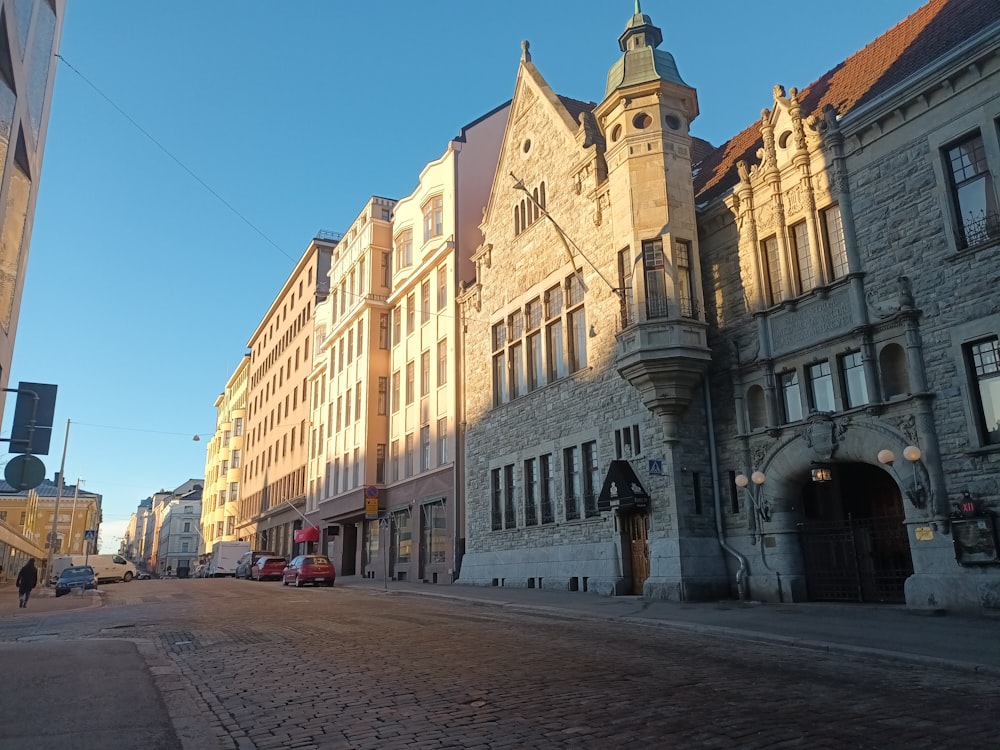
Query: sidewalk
x: 882, y: 631
x: 44, y: 600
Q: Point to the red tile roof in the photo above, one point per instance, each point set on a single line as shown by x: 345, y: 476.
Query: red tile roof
x: 920, y: 39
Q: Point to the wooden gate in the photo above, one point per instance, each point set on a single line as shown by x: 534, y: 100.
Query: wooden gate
x: 859, y: 560
x: 637, y: 533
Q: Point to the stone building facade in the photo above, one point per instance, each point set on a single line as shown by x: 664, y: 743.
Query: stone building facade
x: 830, y: 272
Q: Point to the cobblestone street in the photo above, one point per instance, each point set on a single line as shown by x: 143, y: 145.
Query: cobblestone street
x: 341, y: 668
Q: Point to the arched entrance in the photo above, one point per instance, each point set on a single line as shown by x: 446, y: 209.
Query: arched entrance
x: 854, y: 543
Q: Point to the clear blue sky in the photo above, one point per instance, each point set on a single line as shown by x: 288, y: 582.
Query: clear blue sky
x: 143, y: 287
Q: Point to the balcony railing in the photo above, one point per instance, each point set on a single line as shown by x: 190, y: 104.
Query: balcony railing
x: 976, y: 231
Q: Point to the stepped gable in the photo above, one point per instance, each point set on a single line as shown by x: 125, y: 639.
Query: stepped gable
x: 915, y: 42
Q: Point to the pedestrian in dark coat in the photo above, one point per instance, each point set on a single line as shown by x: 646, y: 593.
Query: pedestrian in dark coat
x: 27, y: 579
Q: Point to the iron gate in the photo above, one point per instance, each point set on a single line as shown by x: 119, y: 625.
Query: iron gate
x: 857, y: 560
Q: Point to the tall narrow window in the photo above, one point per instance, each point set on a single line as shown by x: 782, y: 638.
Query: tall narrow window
x: 591, y: 479
x: 442, y: 288
x: 772, y: 266
x: 791, y: 397
x: 654, y: 270
x: 380, y: 463
x: 442, y: 441
x: 395, y: 391
x: 496, y: 499
x: 531, y: 492
x: 853, y: 373
x: 500, y: 394
x: 425, y: 372
x: 425, y: 447
x: 361, y: 337
x: 411, y: 313
x: 442, y: 362
x: 404, y: 249
x: 536, y: 356
x: 984, y: 357
x: 685, y: 279
x: 408, y: 455
x: 625, y: 287
x: 556, y: 365
x: 394, y: 461
x: 409, y: 381
x: 518, y: 385
x: 509, y: 514
x: 573, y: 488
x: 383, y: 330
x: 576, y: 323
x: 397, y: 326
x: 545, y: 488
x: 433, y: 211
x: 821, y: 387
x: 803, y: 257
x: 387, y: 270
x: 836, y: 247
x: 972, y: 192
x: 425, y: 301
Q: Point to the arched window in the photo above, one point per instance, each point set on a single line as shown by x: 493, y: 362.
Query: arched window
x: 892, y: 364
x: 534, y: 206
x: 517, y: 221
x: 756, y: 408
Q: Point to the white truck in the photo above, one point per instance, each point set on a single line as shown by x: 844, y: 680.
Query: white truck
x: 107, y: 567
x: 225, y: 556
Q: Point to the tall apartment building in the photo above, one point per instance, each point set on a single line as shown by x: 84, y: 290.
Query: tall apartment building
x: 275, y: 453
x: 179, y: 538
x: 349, y: 385
x: 28, y: 45
x: 224, y: 462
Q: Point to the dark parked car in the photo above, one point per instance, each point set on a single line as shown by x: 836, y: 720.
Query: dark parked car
x: 268, y: 567
x: 314, y: 569
x: 244, y: 568
x: 77, y: 577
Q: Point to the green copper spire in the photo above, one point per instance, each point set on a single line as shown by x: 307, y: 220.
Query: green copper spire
x: 642, y: 62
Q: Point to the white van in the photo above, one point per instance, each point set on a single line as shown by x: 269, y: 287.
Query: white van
x: 107, y: 567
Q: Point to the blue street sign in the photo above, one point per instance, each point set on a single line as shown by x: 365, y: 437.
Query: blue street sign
x: 90, y: 534
x: 656, y: 467
x: 383, y: 522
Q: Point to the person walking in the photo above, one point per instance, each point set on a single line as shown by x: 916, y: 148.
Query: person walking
x: 27, y: 579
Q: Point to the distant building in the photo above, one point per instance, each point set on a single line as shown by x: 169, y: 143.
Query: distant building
x: 179, y: 537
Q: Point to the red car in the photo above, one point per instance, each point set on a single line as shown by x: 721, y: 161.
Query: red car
x: 314, y: 569
x: 268, y: 567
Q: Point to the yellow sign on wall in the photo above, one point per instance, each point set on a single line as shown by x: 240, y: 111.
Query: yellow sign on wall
x: 371, y: 502
x: 923, y: 533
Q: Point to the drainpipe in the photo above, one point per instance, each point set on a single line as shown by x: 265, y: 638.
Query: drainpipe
x: 741, y: 573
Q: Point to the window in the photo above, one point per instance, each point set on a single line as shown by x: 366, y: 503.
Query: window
x: 656, y: 283
x: 357, y: 401
x: 238, y: 426
x: 496, y: 499
x: 529, y: 209
x: 576, y: 323
x: 820, y: 387
x: 383, y: 331
x: 442, y: 441
x: 555, y: 364
x: 394, y: 460
x: 380, y: 463
x: 442, y: 288
x: 531, y: 492
x: 853, y: 373
x: 685, y: 279
x: 627, y: 443
x: 625, y: 285
x: 408, y: 457
x: 187, y: 527
x: 573, y: 482
x: 383, y: 395
x: 499, y: 337
x: 435, y: 525
x: 404, y: 249
x: 984, y: 358
x: 536, y: 356
x: 591, y: 479
x: 442, y: 362
x: 772, y: 272
x: 972, y: 192
x: 509, y: 514
x: 788, y: 382
x: 237, y: 459
x: 361, y: 337
x: 411, y: 313
x: 425, y: 447
x: 425, y: 372
x: 836, y: 247
x: 395, y: 391
x: 403, y: 535
x: 397, y: 326
x: 803, y: 257
x: 386, y: 271
x: 518, y: 385
x: 433, y: 218
x: 347, y: 411
x: 184, y: 545
x: 425, y: 301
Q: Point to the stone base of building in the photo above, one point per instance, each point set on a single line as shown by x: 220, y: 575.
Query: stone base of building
x: 573, y: 567
x: 685, y: 589
x: 971, y: 592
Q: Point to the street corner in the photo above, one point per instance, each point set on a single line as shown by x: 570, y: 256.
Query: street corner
x: 46, y: 602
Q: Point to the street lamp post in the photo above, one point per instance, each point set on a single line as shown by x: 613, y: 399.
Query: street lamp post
x: 55, y: 511
x: 753, y: 486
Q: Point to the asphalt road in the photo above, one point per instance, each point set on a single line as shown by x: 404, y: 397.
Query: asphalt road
x: 239, y: 664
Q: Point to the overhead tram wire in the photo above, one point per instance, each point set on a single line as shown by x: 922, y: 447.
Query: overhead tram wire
x: 179, y: 163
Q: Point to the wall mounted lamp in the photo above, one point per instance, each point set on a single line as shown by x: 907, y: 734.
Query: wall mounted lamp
x: 822, y: 474
x: 753, y: 486
x: 916, y: 492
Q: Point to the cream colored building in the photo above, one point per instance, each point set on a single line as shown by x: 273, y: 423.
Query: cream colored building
x: 275, y: 454
x: 33, y: 30
x: 349, y: 384
x: 224, y: 462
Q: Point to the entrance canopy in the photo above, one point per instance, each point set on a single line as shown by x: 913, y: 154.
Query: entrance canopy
x: 622, y: 489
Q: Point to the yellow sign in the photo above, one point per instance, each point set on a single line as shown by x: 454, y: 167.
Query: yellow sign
x: 371, y: 507
x: 923, y: 533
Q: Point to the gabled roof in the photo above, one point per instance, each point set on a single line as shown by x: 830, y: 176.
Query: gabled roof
x: 914, y: 43
x: 575, y: 107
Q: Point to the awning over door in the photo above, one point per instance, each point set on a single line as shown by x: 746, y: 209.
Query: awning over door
x: 622, y: 489
x: 308, y: 534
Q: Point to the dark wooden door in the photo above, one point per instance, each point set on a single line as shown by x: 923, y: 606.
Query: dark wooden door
x: 637, y: 533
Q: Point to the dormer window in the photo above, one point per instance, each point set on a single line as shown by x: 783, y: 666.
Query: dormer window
x: 433, y: 217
